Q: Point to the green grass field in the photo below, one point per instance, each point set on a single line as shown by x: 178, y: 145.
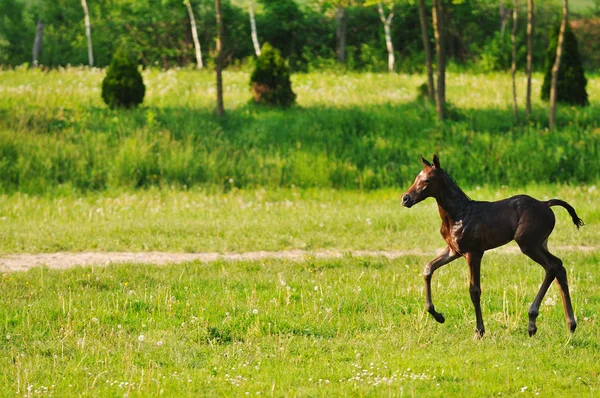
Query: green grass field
x: 348, y: 327
x: 353, y: 326
x: 328, y: 174
x: 582, y: 6
x: 354, y: 131
x: 240, y: 221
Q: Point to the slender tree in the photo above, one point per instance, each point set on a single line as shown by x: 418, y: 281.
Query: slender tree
x: 387, y: 22
x: 556, y: 67
x: 530, y: 21
x: 427, y: 48
x: 253, y: 28
x: 37, y: 43
x: 88, y: 32
x: 341, y: 22
x: 199, y: 63
x: 340, y: 31
x: 439, y: 30
x: 219, y: 60
x: 504, y: 13
x: 513, y: 71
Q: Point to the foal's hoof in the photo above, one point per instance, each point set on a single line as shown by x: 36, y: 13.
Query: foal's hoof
x: 572, y: 326
x: 532, y: 330
x: 439, y: 317
x: 478, y: 334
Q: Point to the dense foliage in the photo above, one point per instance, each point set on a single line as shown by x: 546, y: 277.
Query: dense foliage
x: 123, y: 86
x: 571, y: 82
x: 270, y: 81
x: 303, y: 30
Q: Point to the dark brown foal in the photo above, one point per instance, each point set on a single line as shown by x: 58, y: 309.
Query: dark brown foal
x: 471, y: 227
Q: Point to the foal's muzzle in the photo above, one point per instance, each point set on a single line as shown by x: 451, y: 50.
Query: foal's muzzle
x: 407, y: 200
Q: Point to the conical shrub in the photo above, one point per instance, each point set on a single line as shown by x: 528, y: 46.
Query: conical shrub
x: 570, y: 86
x: 123, y: 86
x: 270, y: 82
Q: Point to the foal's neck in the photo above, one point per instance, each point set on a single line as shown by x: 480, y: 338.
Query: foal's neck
x: 451, y: 200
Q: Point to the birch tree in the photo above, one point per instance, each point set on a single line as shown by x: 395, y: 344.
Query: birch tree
x: 513, y: 71
x: 253, y: 28
x: 199, y: 63
x: 556, y: 67
x: 530, y: 16
x: 88, y: 32
x: 219, y: 60
x: 427, y: 49
x: 37, y: 43
x: 387, y: 23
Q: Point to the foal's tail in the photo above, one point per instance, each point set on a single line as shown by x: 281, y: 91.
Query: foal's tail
x: 557, y: 202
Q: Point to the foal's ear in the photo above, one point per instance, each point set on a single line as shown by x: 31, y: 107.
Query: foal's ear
x: 436, y: 162
x: 425, y: 162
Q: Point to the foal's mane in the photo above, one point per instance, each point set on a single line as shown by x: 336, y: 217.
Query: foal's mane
x: 451, y: 184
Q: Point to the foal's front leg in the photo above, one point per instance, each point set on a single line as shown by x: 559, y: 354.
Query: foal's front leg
x: 474, y: 261
x: 447, y: 256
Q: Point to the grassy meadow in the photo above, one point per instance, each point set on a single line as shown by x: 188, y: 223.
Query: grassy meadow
x: 353, y: 131
x: 326, y: 174
x: 242, y: 221
x: 347, y: 327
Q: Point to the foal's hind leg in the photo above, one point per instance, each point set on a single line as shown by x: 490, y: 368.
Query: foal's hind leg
x: 447, y: 256
x: 561, y: 278
x: 536, y: 255
x: 554, y: 270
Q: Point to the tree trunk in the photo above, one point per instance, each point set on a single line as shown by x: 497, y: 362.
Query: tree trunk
x: 503, y: 17
x: 556, y: 67
x: 513, y: 40
x: 427, y: 47
x: 340, y: 33
x: 88, y: 32
x: 219, y: 60
x: 388, y: 36
x: 199, y: 63
x: 440, y: 37
x: 37, y: 43
x: 529, y: 57
x: 253, y: 28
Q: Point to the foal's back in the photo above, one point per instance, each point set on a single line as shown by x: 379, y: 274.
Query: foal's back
x: 487, y: 225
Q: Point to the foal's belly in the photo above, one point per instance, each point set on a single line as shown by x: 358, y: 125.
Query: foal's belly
x: 482, y: 237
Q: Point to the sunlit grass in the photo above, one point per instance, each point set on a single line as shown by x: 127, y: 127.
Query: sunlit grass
x: 353, y: 326
x: 352, y: 131
x: 80, y: 88
x: 238, y: 221
x: 343, y: 327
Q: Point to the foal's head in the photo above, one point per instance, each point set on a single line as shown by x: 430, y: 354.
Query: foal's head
x: 427, y: 183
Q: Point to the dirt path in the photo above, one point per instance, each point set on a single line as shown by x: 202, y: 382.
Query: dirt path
x: 63, y: 260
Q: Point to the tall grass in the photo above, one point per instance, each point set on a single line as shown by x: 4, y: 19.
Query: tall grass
x: 349, y: 131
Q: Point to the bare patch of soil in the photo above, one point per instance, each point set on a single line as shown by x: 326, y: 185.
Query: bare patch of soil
x: 63, y: 260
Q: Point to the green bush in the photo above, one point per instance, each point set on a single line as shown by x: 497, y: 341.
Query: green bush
x: 123, y: 86
x: 570, y: 87
x: 270, y: 81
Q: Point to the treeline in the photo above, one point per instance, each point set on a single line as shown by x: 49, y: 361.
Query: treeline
x: 305, y: 31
